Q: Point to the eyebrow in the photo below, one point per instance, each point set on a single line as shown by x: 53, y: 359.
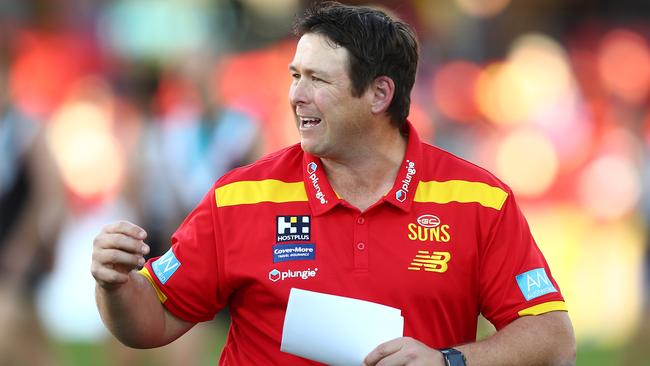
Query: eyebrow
x: 308, y: 71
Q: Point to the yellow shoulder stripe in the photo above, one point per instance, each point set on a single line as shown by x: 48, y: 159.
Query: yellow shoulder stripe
x: 461, y: 191
x: 544, y: 308
x: 256, y: 191
x: 145, y: 272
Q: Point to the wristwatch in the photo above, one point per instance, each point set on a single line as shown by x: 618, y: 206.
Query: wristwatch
x: 453, y: 357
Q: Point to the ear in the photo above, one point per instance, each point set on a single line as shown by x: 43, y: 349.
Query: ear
x: 383, y: 90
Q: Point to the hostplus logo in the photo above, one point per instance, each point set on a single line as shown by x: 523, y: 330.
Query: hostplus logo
x: 401, y: 194
x: 276, y: 275
x: 293, y: 228
x: 311, y: 170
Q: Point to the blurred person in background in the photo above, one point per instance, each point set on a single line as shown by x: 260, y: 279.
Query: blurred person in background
x: 185, y: 130
x: 354, y: 141
x: 90, y: 137
x: 32, y: 208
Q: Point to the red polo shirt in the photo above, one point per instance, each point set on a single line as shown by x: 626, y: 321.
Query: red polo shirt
x: 447, y: 243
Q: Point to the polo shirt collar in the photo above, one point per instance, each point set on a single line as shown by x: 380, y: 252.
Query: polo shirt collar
x: 408, y: 176
x: 320, y: 194
x: 322, y: 197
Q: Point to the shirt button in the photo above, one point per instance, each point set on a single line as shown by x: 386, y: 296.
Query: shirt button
x: 361, y: 220
x: 361, y: 246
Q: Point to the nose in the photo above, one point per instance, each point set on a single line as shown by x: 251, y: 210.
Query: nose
x: 298, y: 92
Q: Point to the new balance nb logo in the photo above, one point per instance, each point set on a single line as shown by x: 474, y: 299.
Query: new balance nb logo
x: 430, y: 262
x: 293, y: 228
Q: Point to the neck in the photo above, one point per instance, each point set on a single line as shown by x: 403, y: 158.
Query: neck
x: 368, y: 170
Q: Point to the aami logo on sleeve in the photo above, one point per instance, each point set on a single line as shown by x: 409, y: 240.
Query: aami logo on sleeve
x: 165, y: 266
x: 535, y: 283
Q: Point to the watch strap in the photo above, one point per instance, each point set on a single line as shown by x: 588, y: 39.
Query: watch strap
x: 453, y: 357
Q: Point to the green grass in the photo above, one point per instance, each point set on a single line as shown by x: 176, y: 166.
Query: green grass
x: 597, y: 356
x: 207, y: 343
x: 80, y: 354
x: 88, y: 354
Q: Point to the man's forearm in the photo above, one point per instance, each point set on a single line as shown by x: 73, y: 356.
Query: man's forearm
x: 134, y: 314
x: 546, y: 339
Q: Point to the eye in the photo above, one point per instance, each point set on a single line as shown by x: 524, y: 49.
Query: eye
x: 295, y: 75
x: 314, y: 78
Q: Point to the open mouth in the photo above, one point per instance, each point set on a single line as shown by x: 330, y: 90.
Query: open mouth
x: 309, y: 122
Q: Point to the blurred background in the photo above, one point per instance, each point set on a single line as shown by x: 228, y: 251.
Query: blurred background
x: 130, y: 109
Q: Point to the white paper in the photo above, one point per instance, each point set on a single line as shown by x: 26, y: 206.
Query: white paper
x: 337, y: 330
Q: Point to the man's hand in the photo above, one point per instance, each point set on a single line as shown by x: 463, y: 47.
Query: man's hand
x: 404, y: 351
x: 117, y: 250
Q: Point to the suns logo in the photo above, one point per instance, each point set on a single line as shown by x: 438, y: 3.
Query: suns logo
x: 429, y: 228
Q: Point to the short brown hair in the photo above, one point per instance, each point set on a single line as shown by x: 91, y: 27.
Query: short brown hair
x: 378, y: 45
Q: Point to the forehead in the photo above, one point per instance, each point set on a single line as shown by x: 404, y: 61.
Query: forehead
x: 315, y: 52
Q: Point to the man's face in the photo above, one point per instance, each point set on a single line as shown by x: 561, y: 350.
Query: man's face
x: 329, y: 118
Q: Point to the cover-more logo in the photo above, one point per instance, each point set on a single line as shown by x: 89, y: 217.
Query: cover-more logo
x: 293, y: 252
x: 276, y: 275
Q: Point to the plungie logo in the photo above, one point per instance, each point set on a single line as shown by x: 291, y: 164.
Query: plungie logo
x: 401, y: 194
x: 276, y: 275
x: 311, y: 170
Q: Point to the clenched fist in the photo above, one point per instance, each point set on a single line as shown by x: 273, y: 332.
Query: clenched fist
x: 117, y: 250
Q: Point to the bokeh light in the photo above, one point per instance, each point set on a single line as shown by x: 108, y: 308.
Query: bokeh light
x: 482, y: 8
x: 421, y: 121
x: 646, y: 129
x: 609, y: 187
x: 624, y: 65
x: 277, y: 9
x: 141, y: 29
x: 453, y: 90
x: 527, y: 161
x: 81, y: 137
x: 490, y: 89
x: 568, y: 127
x: 535, y: 76
x: 582, y: 251
x: 237, y: 86
x: 33, y: 86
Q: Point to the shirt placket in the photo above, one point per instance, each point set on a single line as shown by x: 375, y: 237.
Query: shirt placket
x: 360, y: 243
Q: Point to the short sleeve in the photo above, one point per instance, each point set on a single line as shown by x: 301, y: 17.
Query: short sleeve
x: 515, y: 279
x: 187, y: 277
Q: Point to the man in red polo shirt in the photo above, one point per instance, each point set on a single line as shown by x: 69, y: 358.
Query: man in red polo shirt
x: 360, y: 208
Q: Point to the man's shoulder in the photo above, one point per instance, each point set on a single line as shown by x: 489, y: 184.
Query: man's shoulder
x: 284, y: 165
x: 442, y: 165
